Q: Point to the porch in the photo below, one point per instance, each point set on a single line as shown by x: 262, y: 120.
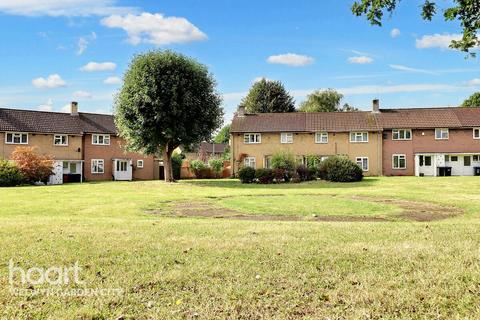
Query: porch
x: 446, y: 164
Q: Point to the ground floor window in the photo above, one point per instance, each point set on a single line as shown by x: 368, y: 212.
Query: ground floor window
x: 426, y: 161
x: 267, y: 164
x: 98, y: 166
x: 250, y: 162
x: 362, y: 162
x: 399, y: 161
x: 139, y: 163
x: 467, y: 161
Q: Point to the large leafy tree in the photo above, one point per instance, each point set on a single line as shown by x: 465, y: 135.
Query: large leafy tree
x: 467, y: 12
x: 167, y: 100
x: 267, y: 96
x: 223, y: 136
x: 324, y: 101
x: 473, y: 101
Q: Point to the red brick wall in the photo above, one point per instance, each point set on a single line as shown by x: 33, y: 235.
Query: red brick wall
x: 423, y: 141
x: 108, y: 153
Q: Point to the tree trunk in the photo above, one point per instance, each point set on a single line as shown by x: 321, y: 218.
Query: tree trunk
x: 167, y: 164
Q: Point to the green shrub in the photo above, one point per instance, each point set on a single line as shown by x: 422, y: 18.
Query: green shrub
x: 177, y: 160
x: 340, y: 169
x: 216, y: 165
x: 305, y: 173
x: 246, y: 174
x: 279, y: 175
x: 10, y: 174
x: 198, y: 167
x: 284, y: 160
x: 264, y: 176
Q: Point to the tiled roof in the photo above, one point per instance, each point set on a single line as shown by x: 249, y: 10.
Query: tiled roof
x: 55, y: 122
x: 305, y: 122
x: 420, y: 118
x: 208, y: 147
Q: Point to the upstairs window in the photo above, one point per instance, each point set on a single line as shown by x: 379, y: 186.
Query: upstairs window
x: 16, y: 138
x: 321, y: 137
x: 249, y: 138
x: 286, y: 137
x: 476, y: 133
x: 402, y: 134
x: 358, y: 137
x: 60, y: 140
x: 441, y: 134
x: 101, y: 139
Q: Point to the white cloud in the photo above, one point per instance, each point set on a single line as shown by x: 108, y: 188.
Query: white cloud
x: 441, y: 41
x: 291, y: 59
x: 474, y: 82
x: 413, y: 70
x: 112, y: 80
x: 360, y: 60
x: 52, y: 81
x: 82, y: 94
x: 155, y: 28
x: 67, y: 8
x: 395, y: 33
x: 83, y: 43
x: 47, y: 106
x: 99, y: 66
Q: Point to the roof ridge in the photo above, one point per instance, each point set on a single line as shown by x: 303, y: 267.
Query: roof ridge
x: 54, y: 112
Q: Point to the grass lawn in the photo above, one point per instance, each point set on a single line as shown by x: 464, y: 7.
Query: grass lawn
x: 383, y: 248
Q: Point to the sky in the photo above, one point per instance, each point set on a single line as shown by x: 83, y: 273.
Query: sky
x: 54, y: 52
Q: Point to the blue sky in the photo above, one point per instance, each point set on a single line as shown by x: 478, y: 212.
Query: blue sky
x: 54, y: 52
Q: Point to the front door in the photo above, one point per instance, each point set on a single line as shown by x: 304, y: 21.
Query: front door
x: 123, y: 170
x: 426, y: 166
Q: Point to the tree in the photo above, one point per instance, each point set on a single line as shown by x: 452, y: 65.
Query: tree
x: 324, y: 101
x: 267, y: 96
x: 467, y: 12
x: 167, y: 100
x: 223, y: 136
x: 33, y: 166
x: 473, y: 101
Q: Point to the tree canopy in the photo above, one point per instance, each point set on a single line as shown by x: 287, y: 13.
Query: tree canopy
x: 267, y: 96
x: 467, y: 12
x: 324, y: 101
x: 473, y: 101
x: 223, y: 136
x: 167, y: 100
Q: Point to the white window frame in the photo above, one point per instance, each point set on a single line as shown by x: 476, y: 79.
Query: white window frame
x: 478, y: 131
x: 13, y: 134
x: 265, y: 161
x: 96, y: 140
x: 97, y: 162
x: 257, y: 138
x: 398, y: 133
x: 286, y: 137
x: 248, y: 162
x: 60, y: 136
x: 140, y: 163
x: 354, y: 135
x: 360, y: 159
x: 319, y: 137
x: 393, y: 161
x: 442, y: 130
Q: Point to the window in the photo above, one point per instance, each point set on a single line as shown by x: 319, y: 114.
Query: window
x: 286, y: 137
x: 139, y: 163
x: 73, y: 167
x: 321, y: 137
x: 121, y: 165
x: 250, y: 162
x: 300, y: 160
x: 428, y: 161
x: 399, y: 161
x: 267, y: 162
x: 447, y: 158
x: 358, y: 136
x: 60, y: 140
x: 252, y: 138
x: 476, y: 133
x: 16, y: 138
x: 402, y: 134
x: 441, y: 134
x: 475, y: 157
x: 101, y: 139
x: 454, y: 158
x: 363, y: 163
x: 467, y: 161
x: 98, y: 166
x: 65, y: 164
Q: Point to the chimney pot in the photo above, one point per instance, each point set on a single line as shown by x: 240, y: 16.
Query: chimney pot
x: 376, y: 106
x: 74, y: 108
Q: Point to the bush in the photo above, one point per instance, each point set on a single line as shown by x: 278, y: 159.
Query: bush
x: 198, y: 167
x: 279, y: 175
x: 264, y: 176
x: 216, y: 165
x: 10, y: 174
x: 34, y: 167
x: 246, y: 174
x: 305, y: 173
x: 177, y: 160
x: 340, y: 169
x: 283, y: 160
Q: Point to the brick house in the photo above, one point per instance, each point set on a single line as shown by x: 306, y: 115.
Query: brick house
x: 85, y: 146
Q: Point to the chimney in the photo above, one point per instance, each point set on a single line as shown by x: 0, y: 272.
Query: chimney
x: 241, y: 111
x: 376, y: 106
x: 74, y: 108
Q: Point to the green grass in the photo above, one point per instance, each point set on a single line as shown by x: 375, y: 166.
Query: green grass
x: 205, y: 268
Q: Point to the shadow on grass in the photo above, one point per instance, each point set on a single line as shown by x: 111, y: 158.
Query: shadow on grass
x: 235, y: 184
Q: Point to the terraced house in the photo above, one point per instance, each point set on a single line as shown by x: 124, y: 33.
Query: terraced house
x: 422, y: 142
x: 85, y: 146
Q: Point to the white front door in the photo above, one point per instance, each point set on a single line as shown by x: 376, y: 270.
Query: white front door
x: 123, y: 170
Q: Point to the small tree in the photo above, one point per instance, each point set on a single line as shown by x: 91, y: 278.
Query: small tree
x: 267, y: 96
x: 473, y: 101
x: 216, y: 165
x: 10, y: 174
x: 223, y: 136
x: 33, y: 166
x: 167, y: 100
